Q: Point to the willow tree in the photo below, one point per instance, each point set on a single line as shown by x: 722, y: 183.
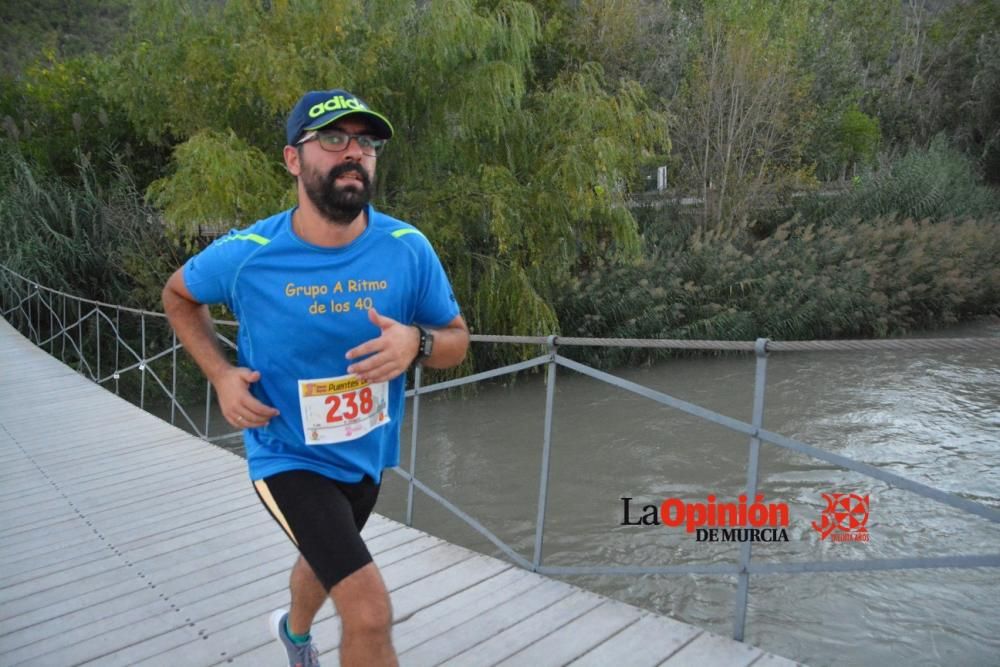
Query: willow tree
x: 743, y: 110
x: 517, y: 184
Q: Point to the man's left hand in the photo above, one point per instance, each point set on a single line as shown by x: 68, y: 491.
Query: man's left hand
x: 391, y: 353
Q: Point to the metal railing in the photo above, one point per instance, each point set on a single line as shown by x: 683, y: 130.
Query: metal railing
x: 41, y: 314
x: 69, y: 332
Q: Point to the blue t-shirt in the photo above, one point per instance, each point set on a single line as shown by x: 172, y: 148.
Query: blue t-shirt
x: 301, y: 307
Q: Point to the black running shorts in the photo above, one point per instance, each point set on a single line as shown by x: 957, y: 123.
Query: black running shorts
x: 323, y: 518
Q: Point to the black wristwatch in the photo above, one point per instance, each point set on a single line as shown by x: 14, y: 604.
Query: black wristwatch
x: 426, y: 346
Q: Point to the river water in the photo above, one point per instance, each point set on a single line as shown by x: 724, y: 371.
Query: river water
x: 931, y: 417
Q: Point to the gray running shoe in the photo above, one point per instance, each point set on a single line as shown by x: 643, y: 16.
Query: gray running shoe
x: 305, y: 655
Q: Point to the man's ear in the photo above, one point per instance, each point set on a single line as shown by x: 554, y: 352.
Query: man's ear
x: 292, y: 162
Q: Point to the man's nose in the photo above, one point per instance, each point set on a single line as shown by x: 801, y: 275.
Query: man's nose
x: 353, y: 150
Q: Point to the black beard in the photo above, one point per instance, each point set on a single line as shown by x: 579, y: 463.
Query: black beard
x: 339, y: 205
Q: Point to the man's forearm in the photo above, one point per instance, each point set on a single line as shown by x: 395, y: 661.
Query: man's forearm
x: 193, y: 324
x: 450, y: 346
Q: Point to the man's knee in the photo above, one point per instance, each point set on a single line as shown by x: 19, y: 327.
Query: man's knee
x: 369, y: 616
x: 363, y: 602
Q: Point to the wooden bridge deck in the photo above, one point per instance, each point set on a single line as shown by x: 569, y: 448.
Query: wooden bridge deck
x: 126, y: 541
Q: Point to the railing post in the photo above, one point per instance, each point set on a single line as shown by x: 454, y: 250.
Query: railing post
x: 38, y: 310
x: 118, y: 345
x: 173, y: 375
x: 26, y: 312
x: 543, y: 484
x: 36, y: 301
x: 98, y: 325
x: 757, y: 419
x: 142, y: 364
x: 30, y: 323
x: 79, y: 334
x: 418, y: 371
x: 52, y: 325
x: 208, y: 407
x: 62, y: 331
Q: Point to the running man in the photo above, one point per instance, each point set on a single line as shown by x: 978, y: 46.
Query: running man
x: 335, y: 302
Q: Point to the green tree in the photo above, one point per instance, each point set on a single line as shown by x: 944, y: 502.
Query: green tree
x: 217, y: 172
x: 517, y: 180
x: 30, y: 28
x: 845, y: 50
x: 647, y: 41
x: 940, y: 59
x: 55, y: 110
x: 741, y: 114
x: 854, y: 140
x: 984, y: 106
x: 963, y: 78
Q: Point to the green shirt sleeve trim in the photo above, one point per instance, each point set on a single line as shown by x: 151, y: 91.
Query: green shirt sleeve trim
x: 256, y: 238
x: 403, y: 232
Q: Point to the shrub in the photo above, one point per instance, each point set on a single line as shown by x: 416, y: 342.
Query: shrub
x: 97, y: 241
x: 858, y: 278
x: 934, y: 183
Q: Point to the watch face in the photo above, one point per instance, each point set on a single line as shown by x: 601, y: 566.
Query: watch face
x: 428, y: 343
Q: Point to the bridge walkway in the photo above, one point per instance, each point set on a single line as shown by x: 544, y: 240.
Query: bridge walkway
x: 127, y: 541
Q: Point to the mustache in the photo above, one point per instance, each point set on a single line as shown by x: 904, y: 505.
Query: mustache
x: 346, y: 168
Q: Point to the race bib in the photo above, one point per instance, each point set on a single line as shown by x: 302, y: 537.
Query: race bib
x: 341, y: 409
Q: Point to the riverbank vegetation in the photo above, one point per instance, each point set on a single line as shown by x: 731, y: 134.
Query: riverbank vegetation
x: 832, y: 168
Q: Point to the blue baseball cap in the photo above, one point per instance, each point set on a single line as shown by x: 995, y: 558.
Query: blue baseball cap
x: 319, y: 108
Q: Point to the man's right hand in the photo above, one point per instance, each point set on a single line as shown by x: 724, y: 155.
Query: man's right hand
x: 193, y: 324
x: 238, y: 405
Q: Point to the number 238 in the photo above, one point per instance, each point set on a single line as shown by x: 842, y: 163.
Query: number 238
x: 354, y: 404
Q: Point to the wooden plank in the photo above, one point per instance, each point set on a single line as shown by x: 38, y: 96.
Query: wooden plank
x: 411, y: 630
x: 406, y: 550
x: 201, y: 583
x: 403, y: 571
x: 441, y: 647
x: 40, y: 566
x: 111, y: 614
x: 409, y: 600
x: 572, y: 640
x: 98, y: 649
x: 39, y: 544
x: 208, y: 524
x: 170, y: 489
x: 711, y: 649
x: 259, y: 534
x: 114, y: 615
x: 67, y: 605
x: 494, y: 649
x: 140, y: 524
x: 133, y: 483
x: 189, y: 543
x: 232, y: 603
x: 36, y: 543
x: 647, y: 643
x: 771, y: 660
x: 235, y: 631
x: 29, y: 595
x: 391, y: 539
x: 16, y: 521
x: 92, y: 430
x: 37, y: 427
x: 108, y: 445
x: 195, y: 505
x: 164, y: 454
